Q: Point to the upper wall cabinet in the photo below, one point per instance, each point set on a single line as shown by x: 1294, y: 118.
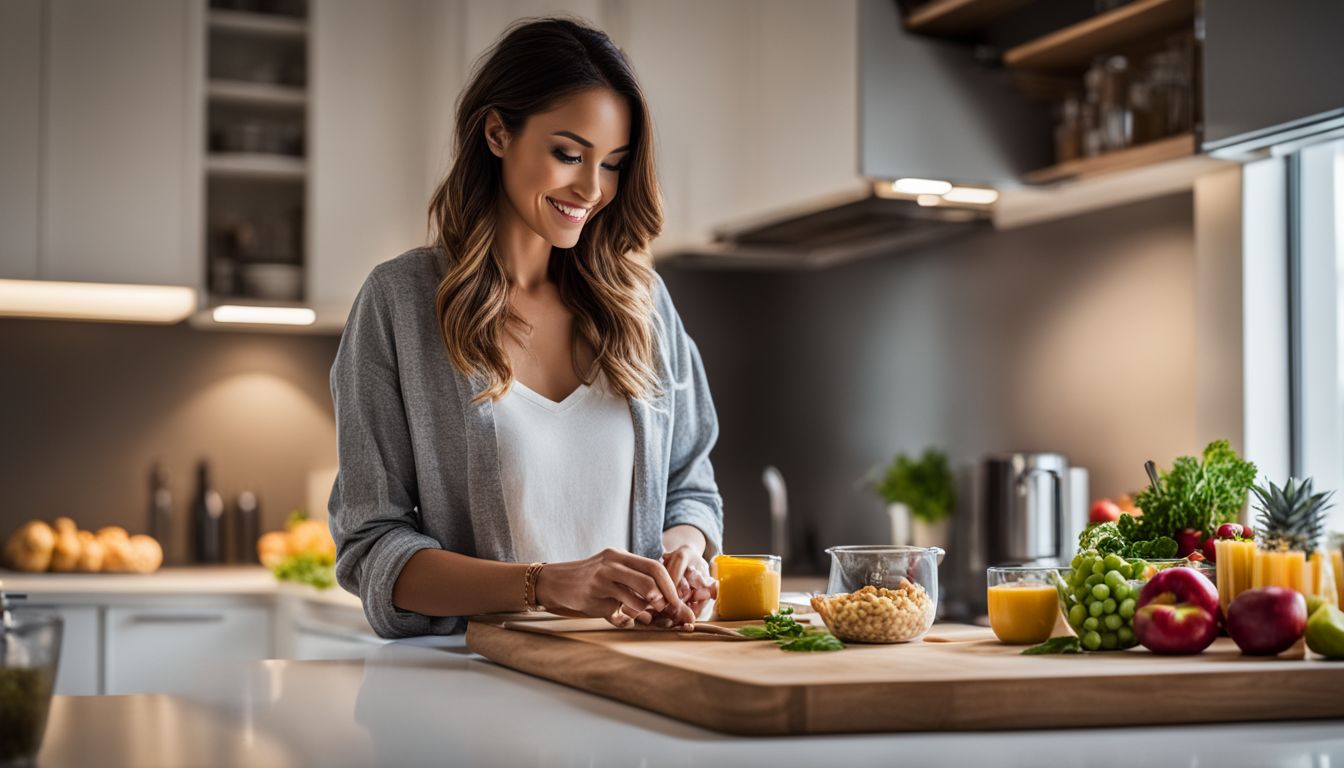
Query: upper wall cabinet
x: 761, y: 114
x: 117, y: 193
x: 1271, y: 68
x: 369, y: 153
x: 928, y: 109
x: 20, y: 136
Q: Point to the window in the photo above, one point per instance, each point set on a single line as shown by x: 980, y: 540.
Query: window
x: 1316, y: 210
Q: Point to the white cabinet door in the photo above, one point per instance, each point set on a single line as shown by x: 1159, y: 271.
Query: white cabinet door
x: 20, y: 132
x: 77, y: 672
x: 485, y: 20
x: 693, y: 60
x: 309, y: 628
x: 761, y: 116
x: 369, y: 145
x: 116, y: 188
x: 172, y: 649
x: 324, y: 643
x: 804, y: 122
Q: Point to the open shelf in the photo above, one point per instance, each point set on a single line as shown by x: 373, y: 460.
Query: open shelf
x: 256, y: 94
x: 259, y: 24
x: 958, y: 17
x: 1149, y: 153
x: 1075, y: 46
x: 256, y: 166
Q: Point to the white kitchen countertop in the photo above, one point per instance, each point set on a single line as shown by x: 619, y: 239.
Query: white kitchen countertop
x: 429, y: 701
x: 223, y: 580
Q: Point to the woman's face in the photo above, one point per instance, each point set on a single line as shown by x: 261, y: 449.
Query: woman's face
x: 571, y: 155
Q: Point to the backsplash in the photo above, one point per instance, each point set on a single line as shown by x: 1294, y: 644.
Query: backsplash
x: 1075, y: 335
x: 86, y: 408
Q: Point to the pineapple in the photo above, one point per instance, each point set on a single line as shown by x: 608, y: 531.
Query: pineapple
x: 1292, y: 517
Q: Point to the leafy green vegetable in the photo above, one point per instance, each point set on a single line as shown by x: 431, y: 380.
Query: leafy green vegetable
x: 1161, y: 548
x: 924, y: 484
x: 1124, y: 537
x: 789, y: 635
x: 1064, y: 644
x: 1104, y: 537
x: 307, y: 568
x: 814, y: 640
x: 1196, y: 495
x: 1192, y: 494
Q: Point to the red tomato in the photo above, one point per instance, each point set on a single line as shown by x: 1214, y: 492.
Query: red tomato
x: 1104, y: 511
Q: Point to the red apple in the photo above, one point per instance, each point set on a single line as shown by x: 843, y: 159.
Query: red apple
x: 1229, y: 531
x: 1177, y: 612
x: 1210, y: 551
x: 1104, y: 511
x: 1267, y: 620
x: 1188, y: 541
x: 1175, y: 629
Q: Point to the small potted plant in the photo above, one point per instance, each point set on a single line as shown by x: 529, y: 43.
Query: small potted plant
x: 919, y: 493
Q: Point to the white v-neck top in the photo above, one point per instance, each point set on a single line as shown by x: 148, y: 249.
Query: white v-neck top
x: 567, y: 469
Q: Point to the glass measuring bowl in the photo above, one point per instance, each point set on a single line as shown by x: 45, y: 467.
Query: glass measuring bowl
x: 882, y: 617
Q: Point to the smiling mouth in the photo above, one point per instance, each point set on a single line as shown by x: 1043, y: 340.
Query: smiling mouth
x: 573, y: 219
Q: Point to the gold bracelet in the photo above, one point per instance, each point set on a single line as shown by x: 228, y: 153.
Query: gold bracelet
x: 530, y: 588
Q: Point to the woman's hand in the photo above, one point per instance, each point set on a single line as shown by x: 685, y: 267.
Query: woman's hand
x: 687, y: 567
x: 618, y: 586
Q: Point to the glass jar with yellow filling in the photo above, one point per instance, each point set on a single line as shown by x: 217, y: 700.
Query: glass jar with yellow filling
x: 748, y: 586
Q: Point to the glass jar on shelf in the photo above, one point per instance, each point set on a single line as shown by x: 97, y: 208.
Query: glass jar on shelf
x: 1116, y: 119
x: 1093, y: 134
x: 1069, y: 130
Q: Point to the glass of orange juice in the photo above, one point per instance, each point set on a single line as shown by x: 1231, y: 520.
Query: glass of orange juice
x: 1023, y: 603
x: 748, y: 586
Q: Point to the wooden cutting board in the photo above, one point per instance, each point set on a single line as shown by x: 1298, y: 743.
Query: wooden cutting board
x: 958, y: 678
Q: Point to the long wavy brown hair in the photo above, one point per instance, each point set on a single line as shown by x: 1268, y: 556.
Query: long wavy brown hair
x: 606, y: 278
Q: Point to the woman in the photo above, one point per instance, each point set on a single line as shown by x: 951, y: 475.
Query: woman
x: 522, y: 420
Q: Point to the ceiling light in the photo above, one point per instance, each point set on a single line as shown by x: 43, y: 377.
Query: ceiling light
x: 973, y: 195
x: 920, y: 186
x: 928, y: 200
x: 96, y: 301
x: 234, y: 313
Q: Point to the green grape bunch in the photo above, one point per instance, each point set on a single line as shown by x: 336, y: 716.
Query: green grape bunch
x: 1099, y: 595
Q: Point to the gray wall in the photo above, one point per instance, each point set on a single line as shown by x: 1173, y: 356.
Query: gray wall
x: 85, y: 408
x: 1075, y: 336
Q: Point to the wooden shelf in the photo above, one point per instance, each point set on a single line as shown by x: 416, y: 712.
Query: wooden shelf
x: 1075, y: 46
x: 1161, y: 150
x: 958, y: 17
x: 256, y: 94
x: 256, y: 166
x: 259, y: 24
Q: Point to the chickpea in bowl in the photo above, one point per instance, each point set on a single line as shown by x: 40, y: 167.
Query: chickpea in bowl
x: 877, y: 614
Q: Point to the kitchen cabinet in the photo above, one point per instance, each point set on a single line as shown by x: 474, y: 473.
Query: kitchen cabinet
x: 484, y: 21
x: 754, y: 120
x: 80, y: 668
x: 314, y: 625
x: 20, y: 136
x: 370, y: 144
x: 165, y: 647
x: 116, y: 194
x: 1267, y: 70
x: 929, y: 110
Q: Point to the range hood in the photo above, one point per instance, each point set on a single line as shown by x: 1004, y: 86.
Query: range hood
x: 836, y: 229
x: 927, y: 110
